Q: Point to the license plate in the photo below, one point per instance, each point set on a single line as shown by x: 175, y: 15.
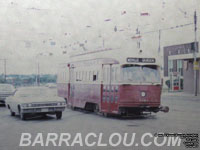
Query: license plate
x: 45, y: 109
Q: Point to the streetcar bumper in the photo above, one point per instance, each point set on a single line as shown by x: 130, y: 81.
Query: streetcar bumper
x: 135, y: 109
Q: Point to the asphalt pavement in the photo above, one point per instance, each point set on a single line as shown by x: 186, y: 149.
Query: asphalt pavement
x: 183, y: 117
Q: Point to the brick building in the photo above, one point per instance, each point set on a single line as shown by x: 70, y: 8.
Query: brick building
x: 178, y: 67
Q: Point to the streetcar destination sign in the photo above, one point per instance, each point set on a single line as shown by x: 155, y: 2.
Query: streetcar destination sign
x: 141, y: 60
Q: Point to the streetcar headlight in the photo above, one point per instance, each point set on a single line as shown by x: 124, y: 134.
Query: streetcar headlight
x: 143, y: 94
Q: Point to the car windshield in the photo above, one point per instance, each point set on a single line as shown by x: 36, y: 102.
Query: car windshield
x: 34, y: 92
x: 140, y: 74
x: 6, y: 88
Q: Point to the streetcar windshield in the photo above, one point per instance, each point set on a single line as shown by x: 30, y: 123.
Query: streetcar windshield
x: 140, y: 74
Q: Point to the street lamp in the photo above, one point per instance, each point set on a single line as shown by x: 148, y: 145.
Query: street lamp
x: 195, y: 57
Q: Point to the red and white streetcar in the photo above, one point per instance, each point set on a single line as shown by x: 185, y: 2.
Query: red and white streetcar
x: 111, y: 85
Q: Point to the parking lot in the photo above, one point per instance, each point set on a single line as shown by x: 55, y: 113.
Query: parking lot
x: 182, y: 118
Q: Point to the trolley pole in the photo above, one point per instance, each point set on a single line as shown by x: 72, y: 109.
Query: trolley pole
x: 195, y: 51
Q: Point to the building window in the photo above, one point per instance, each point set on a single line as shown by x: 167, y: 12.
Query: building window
x: 180, y: 67
x: 185, y: 65
x: 170, y: 66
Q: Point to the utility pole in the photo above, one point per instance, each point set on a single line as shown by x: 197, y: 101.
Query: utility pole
x: 195, y: 51
x: 5, y: 69
x: 38, y: 76
x: 159, y: 36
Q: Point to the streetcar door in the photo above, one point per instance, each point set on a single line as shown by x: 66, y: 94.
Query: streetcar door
x: 106, y: 98
x: 71, y: 89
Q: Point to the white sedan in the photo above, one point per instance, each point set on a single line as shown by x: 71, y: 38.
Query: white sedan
x: 35, y: 100
x: 5, y: 91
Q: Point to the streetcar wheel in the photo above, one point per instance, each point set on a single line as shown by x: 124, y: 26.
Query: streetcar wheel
x: 11, y: 112
x: 58, y: 115
x: 73, y: 108
x: 106, y: 115
x: 44, y: 115
x: 96, y: 109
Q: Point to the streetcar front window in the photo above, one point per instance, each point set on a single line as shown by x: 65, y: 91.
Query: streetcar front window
x: 140, y: 74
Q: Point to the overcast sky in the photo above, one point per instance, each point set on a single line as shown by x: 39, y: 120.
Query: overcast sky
x: 46, y: 31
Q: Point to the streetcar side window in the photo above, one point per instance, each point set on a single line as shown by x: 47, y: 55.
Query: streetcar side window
x: 89, y: 75
x: 108, y: 74
x: 83, y: 75
x: 116, y: 74
x: 104, y: 74
x: 94, y: 77
x: 79, y: 76
x: 113, y: 74
x: 97, y: 75
x: 64, y: 76
x: 76, y: 75
x: 86, y: 76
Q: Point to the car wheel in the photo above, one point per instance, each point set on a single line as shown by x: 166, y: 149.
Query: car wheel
x: 59, y: 115
x: 22, y: 116
x: 12, y: 113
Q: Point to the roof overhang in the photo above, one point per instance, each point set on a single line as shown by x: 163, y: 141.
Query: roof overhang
x: 183, y: 56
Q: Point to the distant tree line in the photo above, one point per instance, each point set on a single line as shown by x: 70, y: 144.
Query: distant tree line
x: 27, y: 80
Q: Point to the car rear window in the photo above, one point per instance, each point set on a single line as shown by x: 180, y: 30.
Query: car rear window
x: 6, y: 87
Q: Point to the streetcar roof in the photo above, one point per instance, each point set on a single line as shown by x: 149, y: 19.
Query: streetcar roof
x: 97, y: 61
x: 113, y: 56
